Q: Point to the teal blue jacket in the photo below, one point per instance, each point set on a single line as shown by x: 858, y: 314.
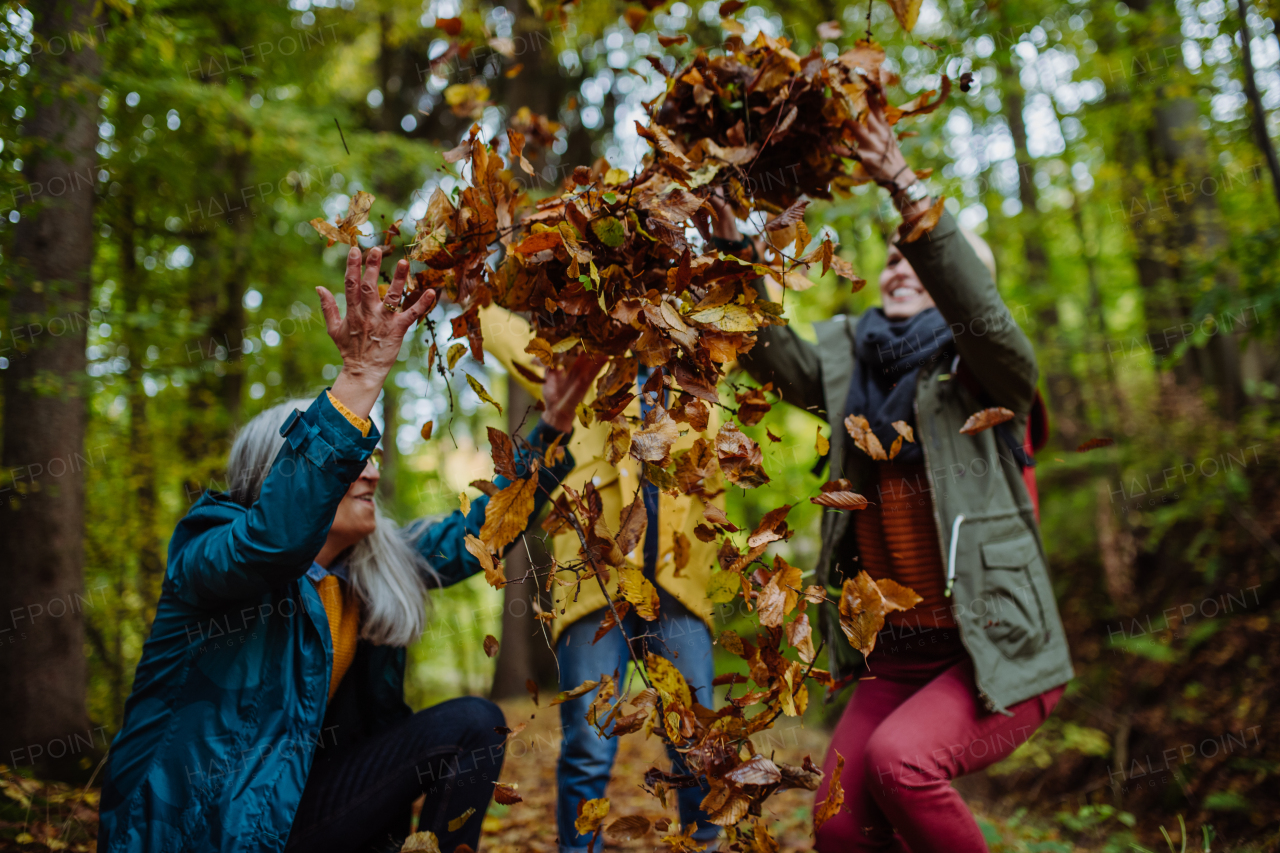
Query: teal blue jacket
x: 230, y: 700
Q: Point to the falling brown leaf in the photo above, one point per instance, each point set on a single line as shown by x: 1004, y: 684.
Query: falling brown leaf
x: 862, y: 609
x: 830, y: 807
x: 839, y: 494
x: 740, y: 458
x: 715, y: 515
x: 757, y: 771
x: 1094, y: 444
x: 426, y: 430
x: 507, y: 514
x: 864, y: 438
x: 503, y: 452
x: 780, y: 594
x: 985, y: 419
x: 752, y: 406
x: 629, y: 828
x: 904, y: 429
x: 490, y: 645
x: 635, y: 18
x: 532, y: 686
x: 653, y: 442
x: 897, y: 596
x: 771, y: 528
x: 631, y: 525
x: 452, y: 26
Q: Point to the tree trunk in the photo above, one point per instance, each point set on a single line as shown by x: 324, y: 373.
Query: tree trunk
x: 1255, y: 101
x: 1066, y: 400
x: 525, y: 652
x: 44, y: 677
x: 1171, y: 250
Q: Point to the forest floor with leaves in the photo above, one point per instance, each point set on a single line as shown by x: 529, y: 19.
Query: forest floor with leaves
x: 40, y: 816
x: 530, y: 826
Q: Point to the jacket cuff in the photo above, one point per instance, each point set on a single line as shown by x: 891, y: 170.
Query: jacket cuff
x: 931, y: 244
x: 328, y: 440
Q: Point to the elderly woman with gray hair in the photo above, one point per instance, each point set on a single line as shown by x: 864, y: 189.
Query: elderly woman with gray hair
x: 268, y: 709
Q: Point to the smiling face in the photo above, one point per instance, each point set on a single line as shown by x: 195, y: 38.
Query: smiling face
x: 356, y: 517
x: 901, y: 292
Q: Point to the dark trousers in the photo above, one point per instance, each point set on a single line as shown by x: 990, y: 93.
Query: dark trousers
x: 359, y: 798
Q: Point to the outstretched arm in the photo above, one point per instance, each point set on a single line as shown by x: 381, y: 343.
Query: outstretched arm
x: 323, y: 454
x: 994, y: 348
x: 442, y: 544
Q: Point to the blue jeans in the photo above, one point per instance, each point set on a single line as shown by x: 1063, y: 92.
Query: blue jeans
x: 586, y: 758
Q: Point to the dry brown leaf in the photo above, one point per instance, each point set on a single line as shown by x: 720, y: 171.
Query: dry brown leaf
x: 839, y: 494
x: 629, y: 828
x: 897, y: 596
x: 490, y: 645
x: 507, y: 514
x: 986, y: 419
x: 505, y: 795
x: 653, y: 442
x: 631, y: 525
x: 864, y: 438
x: 862, y: 609
x: 830, y: 807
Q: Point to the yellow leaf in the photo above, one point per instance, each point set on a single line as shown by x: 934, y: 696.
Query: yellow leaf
x: 906, y: 11
x: 457, y: 822
x: 507, y: 514
x: 566, y: 695
x: 591, y: 813
x: 493, y: 572
x: 636, y: 588
x: 823, y: 446
x: 464, y: 503
x: 484, y: 395
x: 455, y: 352
x: 421, y: 842
x: 667, y: 679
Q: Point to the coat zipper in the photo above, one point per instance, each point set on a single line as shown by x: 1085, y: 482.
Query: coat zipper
x: 937, y: 521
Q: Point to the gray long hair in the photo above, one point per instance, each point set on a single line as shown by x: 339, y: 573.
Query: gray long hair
x: 388, y: 574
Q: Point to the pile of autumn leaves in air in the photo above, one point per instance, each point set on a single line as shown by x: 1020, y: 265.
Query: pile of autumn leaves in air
x: 606, y: 268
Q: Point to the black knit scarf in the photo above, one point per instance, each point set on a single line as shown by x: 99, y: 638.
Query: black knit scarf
x: 890, y: 355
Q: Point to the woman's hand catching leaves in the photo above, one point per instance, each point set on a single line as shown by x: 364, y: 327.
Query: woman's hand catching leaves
x: 881, y: 155
x: 564, y: 390
x: 369, y: 336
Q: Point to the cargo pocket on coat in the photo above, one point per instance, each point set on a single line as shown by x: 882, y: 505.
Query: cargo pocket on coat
x: 1014, y: 621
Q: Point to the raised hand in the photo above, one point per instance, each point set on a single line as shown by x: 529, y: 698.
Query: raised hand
x: 564, y: 390
x: 369, y: 336
x: 881, y: 155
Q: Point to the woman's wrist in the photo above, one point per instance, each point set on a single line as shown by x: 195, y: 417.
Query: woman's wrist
x: 358, y: 389
x: 560, y: 420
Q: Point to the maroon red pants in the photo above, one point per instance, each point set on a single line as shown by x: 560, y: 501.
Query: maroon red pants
x: 915, y: 724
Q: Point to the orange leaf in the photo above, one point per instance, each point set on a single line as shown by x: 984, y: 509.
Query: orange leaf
x: 985, y: 419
